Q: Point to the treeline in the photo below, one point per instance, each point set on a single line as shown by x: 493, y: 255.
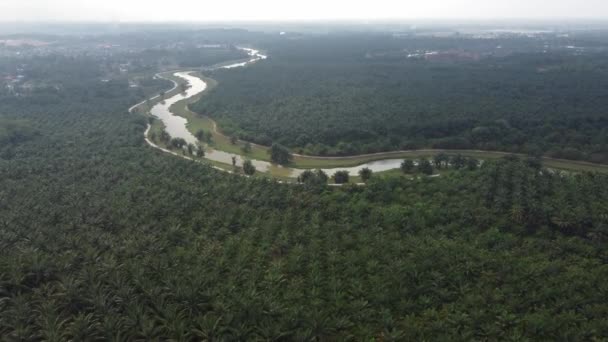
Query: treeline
x: 104, y: 238
x: 323, y: 97
x: 185, y: 57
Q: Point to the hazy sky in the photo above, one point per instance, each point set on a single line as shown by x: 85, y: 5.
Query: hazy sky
x: 222, y: 10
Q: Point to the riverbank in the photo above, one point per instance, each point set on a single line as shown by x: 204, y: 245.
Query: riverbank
x: 322, y: 162
x: 258, y: 153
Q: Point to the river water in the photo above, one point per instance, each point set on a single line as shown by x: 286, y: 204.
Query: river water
x: 176, y: 126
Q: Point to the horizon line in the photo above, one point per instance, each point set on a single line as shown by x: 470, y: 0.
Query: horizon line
x: 301, y: 20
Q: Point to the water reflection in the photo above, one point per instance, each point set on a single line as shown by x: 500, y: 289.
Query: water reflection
x: 375, y: 166
x: 253, y: 53
x: 176, y: 125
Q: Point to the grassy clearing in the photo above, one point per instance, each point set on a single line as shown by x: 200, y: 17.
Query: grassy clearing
x: 198, y: 122
x: 220, y: 142
x: 316, y: 162
x: 568, y: 165
x: 356, y: 179
x: 278, y: 175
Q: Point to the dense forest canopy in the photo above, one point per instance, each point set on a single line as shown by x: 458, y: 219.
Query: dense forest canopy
x: 346, y: 94
x: 105, y: 238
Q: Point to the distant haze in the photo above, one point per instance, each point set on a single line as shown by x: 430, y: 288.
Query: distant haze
x: 283, y: 10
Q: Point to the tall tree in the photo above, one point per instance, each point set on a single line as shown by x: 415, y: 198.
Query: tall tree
x: 425, y: 166
x: 246, y: 148
x: 204, y: 136
x: 280, y: 154
x: 407, y: 166
x: 458, y: 161
x: 365, y: 174
x: 200, y: 151
x: 316, y: 178
x: 440, y: 160
x: 178, y: 142
x: 248, y: 167
x: 341, y: 177
x: 191, y: 149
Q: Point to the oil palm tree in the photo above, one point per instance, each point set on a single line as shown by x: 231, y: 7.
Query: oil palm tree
x: 209, y: 327
x: 83, y: 327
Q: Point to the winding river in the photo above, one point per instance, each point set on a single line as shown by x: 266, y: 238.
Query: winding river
x: 176, y: 126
